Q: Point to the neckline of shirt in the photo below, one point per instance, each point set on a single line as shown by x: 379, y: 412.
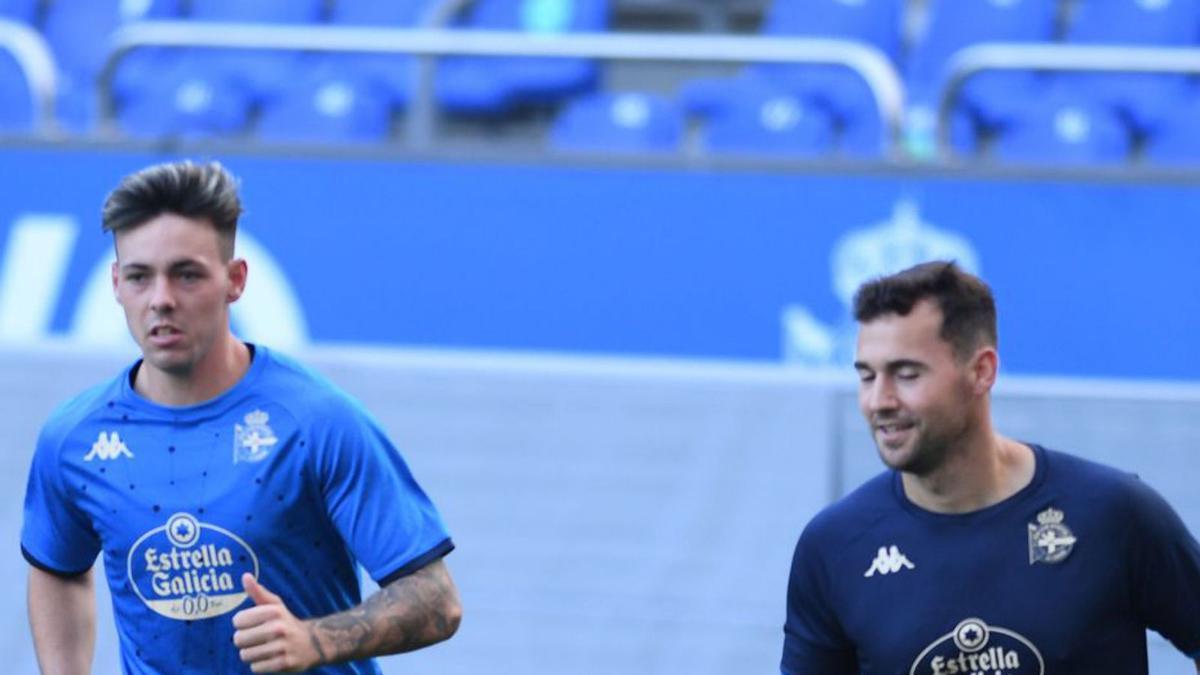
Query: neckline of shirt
x: 1013, y: 501
x: 213, y: 407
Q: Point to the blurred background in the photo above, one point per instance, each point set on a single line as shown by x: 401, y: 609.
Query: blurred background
x: 590, y: 262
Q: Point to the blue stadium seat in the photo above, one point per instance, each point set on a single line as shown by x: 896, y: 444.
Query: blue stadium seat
x: 395, y: 13
x: 620, y: 123
x: 475, y: 85
x: 1144, y: 22
x: 77, y: 33
x: 16, y: 115
x: 183, y: 100
x: 989, y: 98
x: 258, y: 11
x: 391, y: 72
x: 328, y: 106
x: 19, y: 10
x: 771, y: 123
x: 956, y: 24
x: 707, y: 96
x: 264, y: 73
x: 1141, y: 99
x: 1176, y: 142
x: 876, y: 22
x: 840, y: 91
x: 1063, y: 128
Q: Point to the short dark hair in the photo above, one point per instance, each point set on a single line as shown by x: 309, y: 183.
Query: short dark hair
x: 182, y: 188
x: 968, y: 308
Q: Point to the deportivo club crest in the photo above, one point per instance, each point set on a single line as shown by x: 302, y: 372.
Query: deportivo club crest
x: 252, y: 443
x: 1050, y: 541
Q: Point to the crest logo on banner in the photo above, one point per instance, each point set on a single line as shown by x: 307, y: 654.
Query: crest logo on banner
x: 885, y: 248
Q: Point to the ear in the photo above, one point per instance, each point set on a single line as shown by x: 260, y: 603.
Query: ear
x: 237, y: 270
x: 114, y: 280
x: 983, y: 368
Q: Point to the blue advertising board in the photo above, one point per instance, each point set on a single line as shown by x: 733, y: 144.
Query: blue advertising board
x: 1092, y: 278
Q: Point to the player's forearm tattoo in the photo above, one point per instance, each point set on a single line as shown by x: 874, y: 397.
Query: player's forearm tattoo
x: 312, y: 636
x: 411, y: 612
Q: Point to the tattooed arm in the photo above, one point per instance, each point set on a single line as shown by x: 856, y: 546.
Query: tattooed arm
x: 413, y: 611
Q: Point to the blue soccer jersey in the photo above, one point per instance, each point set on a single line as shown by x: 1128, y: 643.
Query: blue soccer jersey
x: 282, y: 476
x: 1062, y: 578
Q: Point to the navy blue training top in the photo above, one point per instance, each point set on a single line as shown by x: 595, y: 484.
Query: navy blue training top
x: 1063, y: 577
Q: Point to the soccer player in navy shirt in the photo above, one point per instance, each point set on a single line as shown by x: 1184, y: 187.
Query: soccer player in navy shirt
x: 974, y: 553
x: 232, y: 492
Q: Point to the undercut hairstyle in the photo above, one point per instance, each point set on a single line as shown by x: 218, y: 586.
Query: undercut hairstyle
x: 968, y: 308
x: 202, y: 191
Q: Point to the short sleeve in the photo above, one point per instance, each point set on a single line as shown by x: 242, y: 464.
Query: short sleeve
x: 1166, y: 569
x: 382, y: 514
x: 56, y: 535
x: 813, y: 640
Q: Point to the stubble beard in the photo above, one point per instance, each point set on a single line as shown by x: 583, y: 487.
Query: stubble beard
x: 933, y: 445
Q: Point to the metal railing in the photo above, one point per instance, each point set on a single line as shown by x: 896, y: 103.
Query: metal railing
x: 866, y: 61
x: 33, y: 57
x: 1032, y: 57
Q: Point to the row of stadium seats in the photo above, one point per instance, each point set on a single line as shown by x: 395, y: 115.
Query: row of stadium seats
x: 777, y: 109
x: 1017, y: 110
x: 1058, y: 128
x: 184, y: 80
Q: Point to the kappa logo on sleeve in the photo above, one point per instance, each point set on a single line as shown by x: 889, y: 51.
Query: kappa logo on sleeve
x: 108, y: 447
x: 889, y: 560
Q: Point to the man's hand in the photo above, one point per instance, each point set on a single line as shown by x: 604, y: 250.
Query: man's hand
x: 269, y: 637
x: 411, y: 612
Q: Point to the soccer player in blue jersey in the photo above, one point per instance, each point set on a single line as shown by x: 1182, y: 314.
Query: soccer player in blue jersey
x: 232, y: 492
x: 977, y: 554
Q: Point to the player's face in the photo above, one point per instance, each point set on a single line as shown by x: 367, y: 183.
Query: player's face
x: 914, y: 393
x: 175, y: 289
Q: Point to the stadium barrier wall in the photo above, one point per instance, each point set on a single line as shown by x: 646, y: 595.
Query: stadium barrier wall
x: 618, y: 515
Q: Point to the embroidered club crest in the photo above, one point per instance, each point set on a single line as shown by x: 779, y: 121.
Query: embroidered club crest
x: 252, y: 443
x: 1050, y: 541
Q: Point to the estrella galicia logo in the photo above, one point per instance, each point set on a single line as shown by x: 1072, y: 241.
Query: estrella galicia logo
x: 187, y: 569
x: 975, y: 648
